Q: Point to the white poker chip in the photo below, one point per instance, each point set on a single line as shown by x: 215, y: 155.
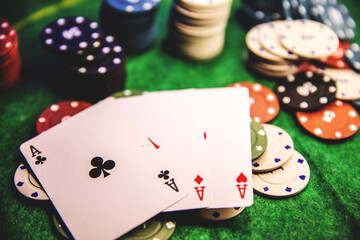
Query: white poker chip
x: 280, y: 147
x: 288, y: 180
x: 347, y: 83
x: 253, y: 43
x: 220, y: 213
x: 26, y: 184
x: 309, y: 39
x: 270, y: 39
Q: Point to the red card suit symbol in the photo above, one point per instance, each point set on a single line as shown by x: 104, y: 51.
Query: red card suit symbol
x: 241, y: 178
x: 155, y: 145
x: 242, y: 187
x: 199, y: 190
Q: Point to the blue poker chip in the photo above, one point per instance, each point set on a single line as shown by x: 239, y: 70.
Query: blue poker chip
x: 133, y: 6
x: 352, y: 56
x: 259, y: 16
x: 304, y: 8
x: 287, y: 12
x: 356, y: 103
x: 337, y: 17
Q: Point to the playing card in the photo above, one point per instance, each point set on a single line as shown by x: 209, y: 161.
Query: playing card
x: 225, y: 118
x: 170, y: 118
x: 103, y: 175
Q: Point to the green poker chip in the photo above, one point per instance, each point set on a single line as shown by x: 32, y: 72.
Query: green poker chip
x: 59, y: 227
x: 258, y: 139
x: 127, y: 93
x: 151, y: 230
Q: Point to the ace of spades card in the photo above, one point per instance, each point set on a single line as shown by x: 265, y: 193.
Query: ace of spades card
x: 101, y: 173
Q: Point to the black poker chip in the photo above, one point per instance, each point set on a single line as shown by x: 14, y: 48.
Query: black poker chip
x: 337, y: 17
x: 306, y: 91
x: 113, y: 61
x: 352, y: 56
x: 97, y: 54
x: 66, y: 36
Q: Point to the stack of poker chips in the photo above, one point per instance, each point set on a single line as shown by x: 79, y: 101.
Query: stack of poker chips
x: 131, y: 22
x: 254, y: 12
x: 279, y: 171
x: 95, y: 62
x: 196, y: 28
x: 10, y: 63
x: 278, y: 48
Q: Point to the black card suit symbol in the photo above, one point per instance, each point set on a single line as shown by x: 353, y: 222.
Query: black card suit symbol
x: 164, y: 174
x: 100, y: 167
x: 40, y: 160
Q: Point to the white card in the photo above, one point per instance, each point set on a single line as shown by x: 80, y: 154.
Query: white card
x: 225, y: 117
x: 101, y: 173
x: 170, y: 118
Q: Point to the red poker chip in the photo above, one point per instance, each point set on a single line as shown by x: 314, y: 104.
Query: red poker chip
x: 337, y: 60
x: 306, y: 66
x: 59, y: 112
x: 339, y: 120
x: 264, y: 104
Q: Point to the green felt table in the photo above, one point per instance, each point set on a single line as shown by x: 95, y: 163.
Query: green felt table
x: 329, y: 208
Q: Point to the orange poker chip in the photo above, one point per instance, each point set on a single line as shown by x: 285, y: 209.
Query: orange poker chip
x: 264, y: 104
x: 339, y: 120
x: 59, y: 112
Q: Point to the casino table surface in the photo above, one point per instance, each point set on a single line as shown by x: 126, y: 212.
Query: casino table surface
x: 329, y: 208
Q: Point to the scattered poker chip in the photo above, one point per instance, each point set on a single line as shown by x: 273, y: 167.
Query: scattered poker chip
x: 352, y: 56
x: 59, y: 112
x: 347, y: 83
x: 264, y: 104
x: 270, y: 39
x: 127, y: 93
x: 288, y: 180
x: 151, y: 230
x: 337, y: 60
x: 59, y: 227
x: 309, y: 39
x: 337, y: 17
x: 306, y: 91
x: 280, y: 147
x: 336, y: 121
x: 69, y: 35
x: 258, y: 139
x: 26, y: 184
x: 217, y: 214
